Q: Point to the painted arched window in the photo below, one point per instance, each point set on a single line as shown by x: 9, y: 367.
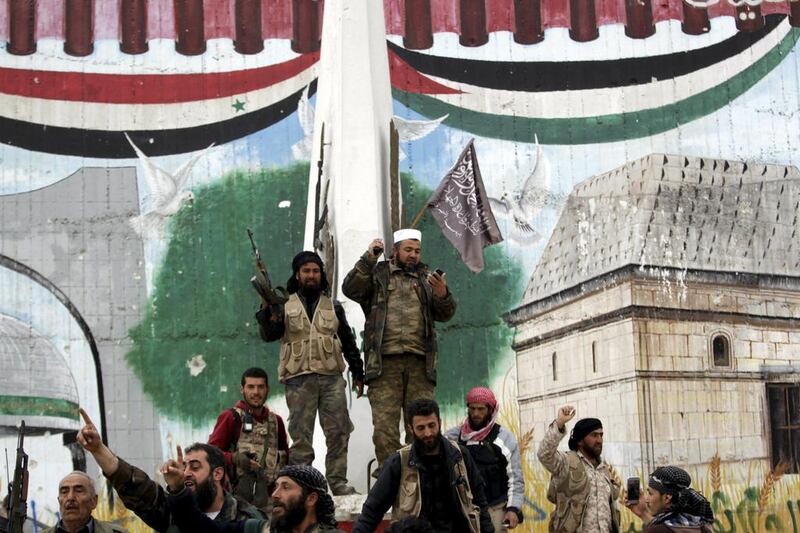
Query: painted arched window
x: 721, y: 351
x: 555, y: 366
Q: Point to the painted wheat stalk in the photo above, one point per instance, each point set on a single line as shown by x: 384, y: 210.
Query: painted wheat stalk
x: 715, y: 472
x: 768, y: 487
x: 612, y: 473
x: 525, y: 442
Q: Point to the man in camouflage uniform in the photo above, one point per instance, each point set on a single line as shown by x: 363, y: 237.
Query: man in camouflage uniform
x: 401, y: 300
x: 315, y: 339
x: 253, y: 440
x: 201, y: 471
x: 582, y: 485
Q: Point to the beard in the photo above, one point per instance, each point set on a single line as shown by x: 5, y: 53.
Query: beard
x: 293, y: 514
x: 593, y: 453
x: 310, y: 288
x: 205, y: 493
x: 428, y: 447
x: 406, y: 266
x: 479, y: 423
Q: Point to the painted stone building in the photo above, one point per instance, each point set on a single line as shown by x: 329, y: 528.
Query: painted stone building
x: 667, y: 303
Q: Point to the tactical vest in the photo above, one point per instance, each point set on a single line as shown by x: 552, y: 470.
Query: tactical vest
x: 255, y: 486
x: 492, y: 465
x: 409, y: 494
x: 310, y: 346
x: 570, y: 497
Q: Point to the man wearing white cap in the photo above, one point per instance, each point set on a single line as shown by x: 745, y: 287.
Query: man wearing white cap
x: 401, y: 300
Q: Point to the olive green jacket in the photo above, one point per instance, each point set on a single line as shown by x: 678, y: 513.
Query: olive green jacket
x: 368, y: 285
x: 148, y: 500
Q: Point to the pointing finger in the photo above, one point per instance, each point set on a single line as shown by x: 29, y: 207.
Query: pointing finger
x: 180, y: 455
x: 85, y: 416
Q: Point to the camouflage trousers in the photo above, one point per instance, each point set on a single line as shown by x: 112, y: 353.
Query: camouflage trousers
x: 402, y: 381
x: 305, y: 396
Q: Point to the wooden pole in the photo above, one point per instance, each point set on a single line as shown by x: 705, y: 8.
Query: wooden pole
x: 419, y: 216
x: 394, y: 175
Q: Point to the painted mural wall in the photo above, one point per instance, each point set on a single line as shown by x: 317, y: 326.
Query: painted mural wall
x: 139, y: 140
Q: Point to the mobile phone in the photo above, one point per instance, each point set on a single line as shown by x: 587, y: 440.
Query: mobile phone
x: 633, y: 490
x: 439, y: 271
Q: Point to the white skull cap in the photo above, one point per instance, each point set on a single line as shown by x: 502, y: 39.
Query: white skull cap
x: 405, y: 234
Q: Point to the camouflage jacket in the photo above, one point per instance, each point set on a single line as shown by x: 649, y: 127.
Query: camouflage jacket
x: 367, y: 284
x: 148, y: 500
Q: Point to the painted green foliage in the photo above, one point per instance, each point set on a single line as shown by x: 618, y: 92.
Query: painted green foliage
x: 202, y: 302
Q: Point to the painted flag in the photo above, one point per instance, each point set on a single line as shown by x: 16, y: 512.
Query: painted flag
x: 461, y: 208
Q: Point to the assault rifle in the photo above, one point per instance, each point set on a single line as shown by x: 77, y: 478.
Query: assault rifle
x: 18, y: 488
x: 261, y: 282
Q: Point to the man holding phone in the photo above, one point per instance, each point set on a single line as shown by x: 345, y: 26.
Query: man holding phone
x: 581, y: 485
x: 672, y: 506
x: 401, y: 299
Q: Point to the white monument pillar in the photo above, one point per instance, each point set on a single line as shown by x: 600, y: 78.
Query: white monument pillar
x: 354, y: 103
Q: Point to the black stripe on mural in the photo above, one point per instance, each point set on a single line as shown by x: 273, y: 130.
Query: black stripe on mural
x: 541, y: 76
x: 114, y: 145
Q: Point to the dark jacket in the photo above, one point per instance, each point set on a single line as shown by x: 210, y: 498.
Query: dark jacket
x: 189, y: 518
x: 148, y: 500
x: 271, y: 328
x: 384, y: 492
x: 677, y: 522
x: 367, y: 284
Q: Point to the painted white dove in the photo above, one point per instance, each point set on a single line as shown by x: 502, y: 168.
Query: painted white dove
x: 166, y: 191
x: 407, y: 130
x: 522, y: 205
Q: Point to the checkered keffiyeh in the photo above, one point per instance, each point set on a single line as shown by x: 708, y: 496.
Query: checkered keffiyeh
x: 313, y: 480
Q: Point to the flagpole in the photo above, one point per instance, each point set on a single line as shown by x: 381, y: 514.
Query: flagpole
x: 419, y: 216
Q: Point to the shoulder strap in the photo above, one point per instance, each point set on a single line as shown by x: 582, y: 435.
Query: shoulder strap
x: 237, y: 429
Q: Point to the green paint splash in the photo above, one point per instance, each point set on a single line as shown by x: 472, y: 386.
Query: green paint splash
x: 203, y: 304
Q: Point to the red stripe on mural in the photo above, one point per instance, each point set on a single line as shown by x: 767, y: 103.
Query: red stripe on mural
x: 500, y: 14
x: 407, y: 79
x: 146, y: 88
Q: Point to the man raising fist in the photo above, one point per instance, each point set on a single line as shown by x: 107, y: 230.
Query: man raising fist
x: 581, y: 485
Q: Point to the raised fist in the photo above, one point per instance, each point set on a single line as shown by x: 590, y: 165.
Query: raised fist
x: 565, y: 414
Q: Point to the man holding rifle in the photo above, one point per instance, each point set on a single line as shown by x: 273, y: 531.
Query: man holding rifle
x: 315, y: 342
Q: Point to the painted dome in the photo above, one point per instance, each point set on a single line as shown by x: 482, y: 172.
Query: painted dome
x: 36, y: 383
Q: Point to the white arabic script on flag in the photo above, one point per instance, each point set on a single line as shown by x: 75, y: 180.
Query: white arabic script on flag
x: 461, y: 207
